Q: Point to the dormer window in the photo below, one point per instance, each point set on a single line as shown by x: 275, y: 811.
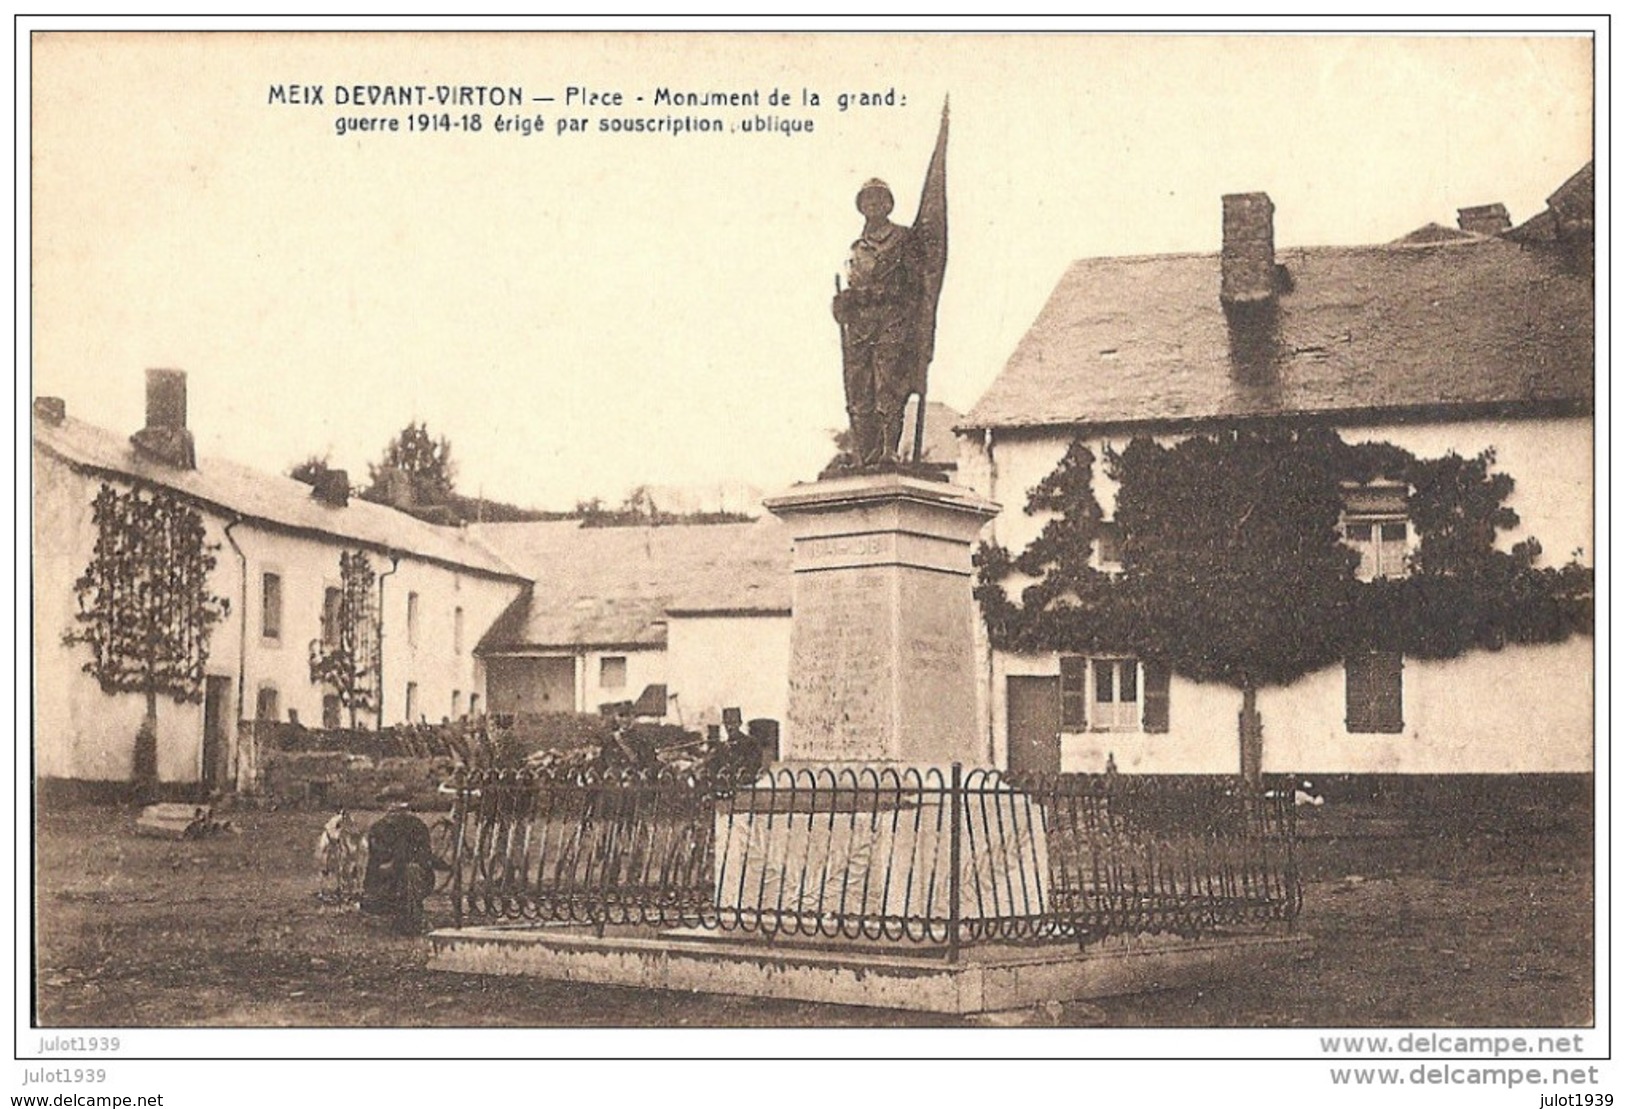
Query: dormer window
x: 1376, y: 525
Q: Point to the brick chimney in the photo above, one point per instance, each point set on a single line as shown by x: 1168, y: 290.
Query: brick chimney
x: 166, y: 399
x: 1484, y: 219
x: 1247, y: 274
x: 53, y: 410
x: 333, y: 487
x: 166, y: 438
x: 1249, y: 283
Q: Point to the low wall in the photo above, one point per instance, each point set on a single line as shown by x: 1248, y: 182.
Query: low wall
x: 1448, y: 804
x: 334, y: 779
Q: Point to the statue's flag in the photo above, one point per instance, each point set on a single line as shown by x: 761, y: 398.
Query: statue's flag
x: 931, y: 240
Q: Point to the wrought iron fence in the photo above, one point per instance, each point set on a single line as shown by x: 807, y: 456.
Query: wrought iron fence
x: 876, y: 854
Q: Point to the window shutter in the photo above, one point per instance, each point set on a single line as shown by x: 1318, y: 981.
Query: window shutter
x: 1155, y: 718
x: 1074, y: 692
x: 332, y: 601
x: 1374, y: 691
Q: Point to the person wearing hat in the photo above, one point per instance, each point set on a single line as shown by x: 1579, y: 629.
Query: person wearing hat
x: 877, y: 311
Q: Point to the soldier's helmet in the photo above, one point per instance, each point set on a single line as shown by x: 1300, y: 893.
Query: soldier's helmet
x: 878, y: 187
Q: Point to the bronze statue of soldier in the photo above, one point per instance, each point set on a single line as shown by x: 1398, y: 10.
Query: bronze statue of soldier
x: 878, y: 312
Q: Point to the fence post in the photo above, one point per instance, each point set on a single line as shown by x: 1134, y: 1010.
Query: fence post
x: 956, y: 817
x: 459, y: 814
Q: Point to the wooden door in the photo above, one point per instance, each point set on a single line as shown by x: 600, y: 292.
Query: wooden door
x: 1033, y: 707
x: 216, y: 744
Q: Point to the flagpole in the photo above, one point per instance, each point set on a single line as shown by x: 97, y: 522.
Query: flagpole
x: 933, y: 197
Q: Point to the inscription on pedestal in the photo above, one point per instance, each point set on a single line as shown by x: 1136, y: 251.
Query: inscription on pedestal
x: 843, y: 546
x: 882, y: 654
x: 841, y: 642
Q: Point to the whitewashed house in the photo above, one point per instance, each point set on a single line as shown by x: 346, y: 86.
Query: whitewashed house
x: 278, y: 544
x: 687, y: 619
x: 1460, y: 342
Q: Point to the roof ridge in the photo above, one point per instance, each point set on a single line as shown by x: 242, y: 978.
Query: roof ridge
x: 105, y: 451
x: 1453, y: 324
x: 1468, y: 239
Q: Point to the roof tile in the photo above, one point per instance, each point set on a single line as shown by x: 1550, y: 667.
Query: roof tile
x: 601, y: 586
x: 1144, y: 339
x: 269, y: 498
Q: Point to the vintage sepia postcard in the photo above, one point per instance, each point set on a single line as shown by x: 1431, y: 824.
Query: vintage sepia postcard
x: 552, y: 537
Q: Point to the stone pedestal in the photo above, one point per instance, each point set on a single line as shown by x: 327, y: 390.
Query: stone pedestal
x: 882, y: 657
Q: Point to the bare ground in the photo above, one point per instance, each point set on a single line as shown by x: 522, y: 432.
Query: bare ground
x: 1486, y: 930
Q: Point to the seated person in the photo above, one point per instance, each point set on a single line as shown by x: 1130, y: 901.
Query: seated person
x: 400, y: 869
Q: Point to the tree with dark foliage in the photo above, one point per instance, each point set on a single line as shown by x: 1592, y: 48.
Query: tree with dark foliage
x: 1233, y: 568
x: 415, y: 463
x: 345, y: 658
x: 145, y: 609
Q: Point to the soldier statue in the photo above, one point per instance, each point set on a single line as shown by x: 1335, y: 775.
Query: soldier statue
x: 888, y: 314
x: 878, y: 312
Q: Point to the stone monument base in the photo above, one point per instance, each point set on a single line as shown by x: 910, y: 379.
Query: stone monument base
x: 988, y: 978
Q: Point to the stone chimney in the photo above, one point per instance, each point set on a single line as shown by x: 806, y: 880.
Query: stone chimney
x: 53, y: 410
x: 1247, y: 273
x: 166, y: 399
x: 166, y: 438
x: 333, y: 487
x: 398, y: 486
x: 1484, y: 219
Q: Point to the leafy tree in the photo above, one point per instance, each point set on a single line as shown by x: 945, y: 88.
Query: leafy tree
x: 640, y: 504
x: 1233, y: 569
x: 1232, y: 545
x: 346, y: 657
x: 145, y: 609
x: 420, y: 461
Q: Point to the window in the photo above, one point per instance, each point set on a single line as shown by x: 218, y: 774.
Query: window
x: 473, y: 704
x: 612, y: 672
x: 457, y: 631
x: 412, y: 702
x: 1113, y: 695
x: 332, y: 601
x: 456, y: 704
x: 1375, y: 524
x: 332, y: 710
x: 1109, y: 546
x: 271, y: 606
x: 1116, y: 704
x: 1375, y: 692
x: 266, y: 704
x: 411, y: 619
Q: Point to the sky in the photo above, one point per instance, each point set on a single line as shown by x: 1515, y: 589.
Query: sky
x: 581, y: 313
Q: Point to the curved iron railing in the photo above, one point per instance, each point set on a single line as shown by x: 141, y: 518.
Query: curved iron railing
x: 876, y: 855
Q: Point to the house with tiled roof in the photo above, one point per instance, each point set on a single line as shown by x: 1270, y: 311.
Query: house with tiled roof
x: 1447, y: 340
x: 277, y: 545
x: 694, y: 617
x: 691, y: 617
